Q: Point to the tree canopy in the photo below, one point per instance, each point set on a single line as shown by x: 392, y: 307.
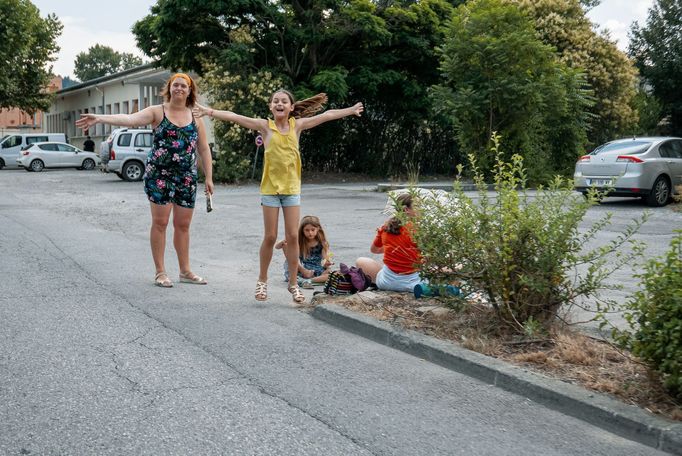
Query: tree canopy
x: 546, y: 79
x: 27, y: 48
x: 101, y: 61
x: 564, y: 25
x: 500, y: 77
x: 657, y: 50
x: 380, y: 53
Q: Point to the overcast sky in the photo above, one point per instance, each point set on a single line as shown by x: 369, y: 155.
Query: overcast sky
x: 87, y: 23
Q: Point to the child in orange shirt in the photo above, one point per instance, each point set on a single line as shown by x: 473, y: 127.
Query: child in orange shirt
x: 399, y: 271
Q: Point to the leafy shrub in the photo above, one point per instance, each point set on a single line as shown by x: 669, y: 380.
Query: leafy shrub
x: 523, y: 251
x: 654, y: 314
x: 248, y: 95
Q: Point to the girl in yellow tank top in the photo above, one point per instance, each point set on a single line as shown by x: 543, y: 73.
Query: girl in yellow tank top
x: 281, y: 183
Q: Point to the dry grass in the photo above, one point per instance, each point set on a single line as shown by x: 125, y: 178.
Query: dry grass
x: 564, y: 354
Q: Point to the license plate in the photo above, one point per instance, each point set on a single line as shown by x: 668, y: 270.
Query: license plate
x: 599, y: 182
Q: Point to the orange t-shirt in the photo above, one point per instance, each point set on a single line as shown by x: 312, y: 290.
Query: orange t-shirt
x: 401, y: 255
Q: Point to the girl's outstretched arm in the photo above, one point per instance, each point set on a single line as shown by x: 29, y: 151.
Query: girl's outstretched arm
x: 228, y: 116
x: 306, y: 123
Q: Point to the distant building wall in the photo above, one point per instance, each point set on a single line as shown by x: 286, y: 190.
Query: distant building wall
x: 125, y: 92
x: 17, y: 121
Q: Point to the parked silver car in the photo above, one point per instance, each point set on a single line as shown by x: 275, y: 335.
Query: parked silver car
x: 40, y: 155
x: 648, y: 167
x: 124, y: 152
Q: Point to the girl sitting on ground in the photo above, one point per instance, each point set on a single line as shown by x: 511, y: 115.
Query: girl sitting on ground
x: 314, y: 255
x: 399, y: 271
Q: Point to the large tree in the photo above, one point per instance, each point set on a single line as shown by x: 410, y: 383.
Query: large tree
x: 27, y: 47
x: 101, y: 61
x: 564, y: 25
x: 657, y: 50
x: 500, y: 77
x: 379, y: 53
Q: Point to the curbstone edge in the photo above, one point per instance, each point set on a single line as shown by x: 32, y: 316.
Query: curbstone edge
x: 597, y: 409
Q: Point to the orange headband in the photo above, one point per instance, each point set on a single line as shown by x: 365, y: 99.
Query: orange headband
x: 183, y: 76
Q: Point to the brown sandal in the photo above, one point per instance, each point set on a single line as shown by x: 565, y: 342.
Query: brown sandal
x: 163, y: 283
x: 296, y: 294
x: 261, y: 291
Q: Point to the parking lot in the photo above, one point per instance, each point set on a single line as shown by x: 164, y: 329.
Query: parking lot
x: 225, y: 242
x: 98, y: 360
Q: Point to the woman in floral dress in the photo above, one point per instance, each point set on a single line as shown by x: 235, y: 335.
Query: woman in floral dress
x: 170, y: 179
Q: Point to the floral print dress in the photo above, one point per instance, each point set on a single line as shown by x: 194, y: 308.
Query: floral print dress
x: 171, y: 171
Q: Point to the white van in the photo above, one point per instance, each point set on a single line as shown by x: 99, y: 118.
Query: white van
x: 11, y: 145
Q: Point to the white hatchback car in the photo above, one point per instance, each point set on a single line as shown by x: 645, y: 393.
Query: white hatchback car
x: 647, y: 167
x: 42, y: 155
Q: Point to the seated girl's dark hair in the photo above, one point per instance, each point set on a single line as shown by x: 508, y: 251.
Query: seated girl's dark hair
x: 394, y: 224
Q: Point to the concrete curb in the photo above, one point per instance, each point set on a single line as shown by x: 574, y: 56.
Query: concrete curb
x: 597, y: 409
x: 468, y: 187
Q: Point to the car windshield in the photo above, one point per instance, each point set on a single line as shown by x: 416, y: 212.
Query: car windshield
x: 630, y: 147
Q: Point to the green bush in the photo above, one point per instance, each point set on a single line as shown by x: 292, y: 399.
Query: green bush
x: 246, y: 94
x: 522, y: 250
x: 655, y: 317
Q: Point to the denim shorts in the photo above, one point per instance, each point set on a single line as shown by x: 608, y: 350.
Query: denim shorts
x: 390, y: 281
x: 280, y: 200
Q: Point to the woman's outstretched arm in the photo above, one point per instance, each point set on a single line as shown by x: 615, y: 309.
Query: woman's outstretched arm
x: 144, y: 117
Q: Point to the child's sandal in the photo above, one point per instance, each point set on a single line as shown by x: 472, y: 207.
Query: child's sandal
x: 296, y: 294
x: 261, y: 291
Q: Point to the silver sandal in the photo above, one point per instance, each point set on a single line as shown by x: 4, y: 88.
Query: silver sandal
x: 261, y: 291
x: 296, y: 294
x: 190, y: 277
x: 163, y: 283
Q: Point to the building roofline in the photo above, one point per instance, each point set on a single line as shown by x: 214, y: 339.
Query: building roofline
x: 107, y: 78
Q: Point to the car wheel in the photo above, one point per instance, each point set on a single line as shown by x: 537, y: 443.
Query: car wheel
x: 132, y: 171
x: 37, y: 165
x: 2, y: 163
x: 660, y: 192
x: 88, y: 164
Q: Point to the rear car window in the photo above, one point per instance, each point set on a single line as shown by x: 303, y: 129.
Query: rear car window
x: 671, y: 149
x: 143, y: 140
x: 35, y: 139
x: 124, y: 139
x: 630, y: 147
x: 50, y: 147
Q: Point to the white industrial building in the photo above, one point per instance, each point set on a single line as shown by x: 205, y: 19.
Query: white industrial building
x: 122, y: 93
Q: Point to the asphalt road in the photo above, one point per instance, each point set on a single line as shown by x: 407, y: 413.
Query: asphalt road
x: 96, y: 360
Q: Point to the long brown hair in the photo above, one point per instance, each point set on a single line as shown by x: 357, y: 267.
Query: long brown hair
x: 321, y: 237
x: 193, y: 89
x: 304, y: 108
x: 402, y: 202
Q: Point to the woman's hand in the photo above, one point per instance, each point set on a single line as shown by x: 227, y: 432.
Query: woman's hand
x: 200, y: 111
x: 86, y: 121
x: 357, y: 109
x: 307, y: 274
x: 209, y: 186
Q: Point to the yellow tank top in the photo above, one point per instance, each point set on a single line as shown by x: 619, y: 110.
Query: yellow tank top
x: 282, y: 162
